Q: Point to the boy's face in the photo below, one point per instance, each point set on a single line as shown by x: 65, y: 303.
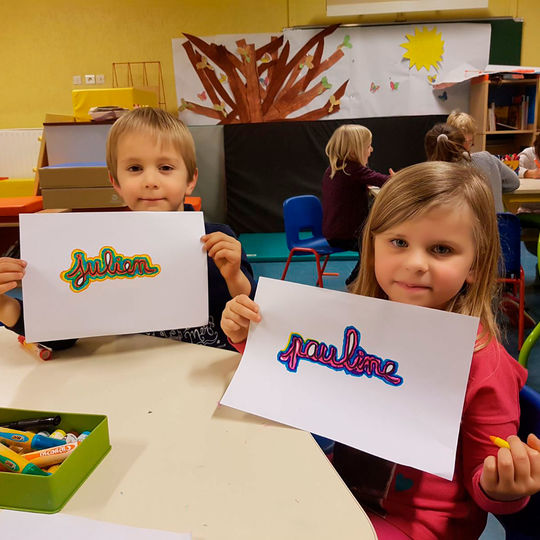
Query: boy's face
x: 151, y: 176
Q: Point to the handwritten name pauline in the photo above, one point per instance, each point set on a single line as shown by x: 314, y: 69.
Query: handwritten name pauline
x: 353, y: 360
x: 107, y: 265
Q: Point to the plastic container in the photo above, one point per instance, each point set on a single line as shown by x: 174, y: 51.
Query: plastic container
x: 48, y: 494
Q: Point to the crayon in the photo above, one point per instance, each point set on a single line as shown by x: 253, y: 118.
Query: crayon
x: 27, y: 439
x: 12, y: 462
x: 38, y: 349
x: 59, y: 434
x: 32, y: 423
x: 50, y: 456
x: 497, y: 441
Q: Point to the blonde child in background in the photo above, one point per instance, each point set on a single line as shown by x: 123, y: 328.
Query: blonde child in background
x: 446, y: 143
x: 152, y: 165
x: 345, y: 197
x: 431, y: 240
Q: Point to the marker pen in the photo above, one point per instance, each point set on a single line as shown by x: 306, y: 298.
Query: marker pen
x: 13, y: 462
x: 45, y: 353
x: 33, y: 423
x: 50, y: 456
x: 26, y: 439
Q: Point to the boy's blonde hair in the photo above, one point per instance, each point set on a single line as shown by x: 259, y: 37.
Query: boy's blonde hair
x: 462, y: 121
x: 161, y: 125
x: 348, y: 143
x: 445, y: 143
x: 415, y: 191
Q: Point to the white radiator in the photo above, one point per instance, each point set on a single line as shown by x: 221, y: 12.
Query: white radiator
x: 19, y: 150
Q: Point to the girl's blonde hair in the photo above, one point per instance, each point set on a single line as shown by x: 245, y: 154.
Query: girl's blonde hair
x: 161, y: 125
x: 415, y: 191
x: 462, y: 121
x: 445, y: 143
x: 348, y: 143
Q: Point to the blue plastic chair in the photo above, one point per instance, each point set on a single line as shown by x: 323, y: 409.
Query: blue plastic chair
x: 300, y: 214
x: 512, y: 271
x: 525, y: 525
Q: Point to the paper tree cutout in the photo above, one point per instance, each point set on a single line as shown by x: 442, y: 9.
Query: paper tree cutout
x: 264, y: 85
x: 424, y: 49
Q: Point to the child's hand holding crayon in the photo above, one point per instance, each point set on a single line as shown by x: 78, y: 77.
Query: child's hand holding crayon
x: 237, y: 315
x: 226, y: 252
x: 515, y: 471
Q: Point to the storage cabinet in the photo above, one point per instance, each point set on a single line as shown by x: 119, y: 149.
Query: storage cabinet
x: 506, y: 113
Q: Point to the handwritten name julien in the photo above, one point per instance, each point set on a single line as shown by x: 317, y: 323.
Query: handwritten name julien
x: 353, y: 360
x: 107, y: 265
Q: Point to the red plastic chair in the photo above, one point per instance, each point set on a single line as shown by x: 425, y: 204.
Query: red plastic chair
x: 300, y: 214
x: 512, y: 271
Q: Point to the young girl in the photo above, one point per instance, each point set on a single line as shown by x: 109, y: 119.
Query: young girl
x: 345, y: 186
x: 431, y: 240
x: 529, y: 162
x: 447, y: 143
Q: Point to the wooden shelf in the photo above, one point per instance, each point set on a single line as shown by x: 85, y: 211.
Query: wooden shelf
x: 509, y: 132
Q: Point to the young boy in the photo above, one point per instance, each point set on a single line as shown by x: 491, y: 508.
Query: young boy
x: 151, y: 161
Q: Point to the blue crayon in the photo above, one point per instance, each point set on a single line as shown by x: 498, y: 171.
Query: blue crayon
x: 27, y: 440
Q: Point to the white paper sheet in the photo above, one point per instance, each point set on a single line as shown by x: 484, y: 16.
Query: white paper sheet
x: 174, y: 296
x: 415, y: 422
x: 21, y: 525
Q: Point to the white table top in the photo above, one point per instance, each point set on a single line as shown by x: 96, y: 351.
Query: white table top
x: 179, y: 461
x: 528, y: 185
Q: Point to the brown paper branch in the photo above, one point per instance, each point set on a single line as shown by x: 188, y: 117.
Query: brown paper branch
x: 323, y: 111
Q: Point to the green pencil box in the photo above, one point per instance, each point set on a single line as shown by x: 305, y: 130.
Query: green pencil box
x: 48, y: 494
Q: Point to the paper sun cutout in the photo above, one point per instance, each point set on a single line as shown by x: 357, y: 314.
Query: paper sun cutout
x: 424, y: 49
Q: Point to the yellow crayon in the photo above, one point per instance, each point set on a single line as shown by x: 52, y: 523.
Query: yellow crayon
x: 501, y: 443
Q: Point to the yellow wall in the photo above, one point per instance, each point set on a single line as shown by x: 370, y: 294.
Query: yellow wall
x: 44, y: 43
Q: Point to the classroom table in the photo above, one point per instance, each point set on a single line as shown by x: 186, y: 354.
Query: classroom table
x: 180, y: 461
x: 527, y: 192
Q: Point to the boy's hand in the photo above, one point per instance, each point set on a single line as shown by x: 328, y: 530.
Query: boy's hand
x: 237, y: 315
x: 226, y: 252
x: 515, y: 472
x: 11, y: 271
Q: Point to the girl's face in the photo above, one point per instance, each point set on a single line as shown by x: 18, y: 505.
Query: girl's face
x: 426, y: 260
x: 367, y: 153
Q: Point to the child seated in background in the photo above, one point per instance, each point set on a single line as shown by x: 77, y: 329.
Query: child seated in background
x: 431, y: 240
x: 151, y: 161
x: 345, y: 187
x: 446, y: 143
x: 529, y: 162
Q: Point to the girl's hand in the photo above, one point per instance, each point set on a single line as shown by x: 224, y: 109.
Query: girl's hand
x: 11, y: 271
x: 515, y: 472
x: 237, y: 315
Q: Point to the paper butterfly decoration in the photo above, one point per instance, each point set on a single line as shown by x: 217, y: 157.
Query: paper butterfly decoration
x: 394, y: 85
x: 443, y: 96
x: 374, y: 87
x: 325, y: 83
x: 432, y: 78
x: 184, y: 105
x: 223, y: 78
x: 202, y: 96
x: 266, y: 58
x: 264, y: 80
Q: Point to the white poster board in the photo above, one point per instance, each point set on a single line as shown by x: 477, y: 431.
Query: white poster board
x: 396, y: 392
x: 92, y: 274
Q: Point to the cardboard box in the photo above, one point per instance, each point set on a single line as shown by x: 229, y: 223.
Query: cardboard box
x: 127, y: 98
x: 92, y: 197
x: 48, y: 494
x: 74, y: 175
